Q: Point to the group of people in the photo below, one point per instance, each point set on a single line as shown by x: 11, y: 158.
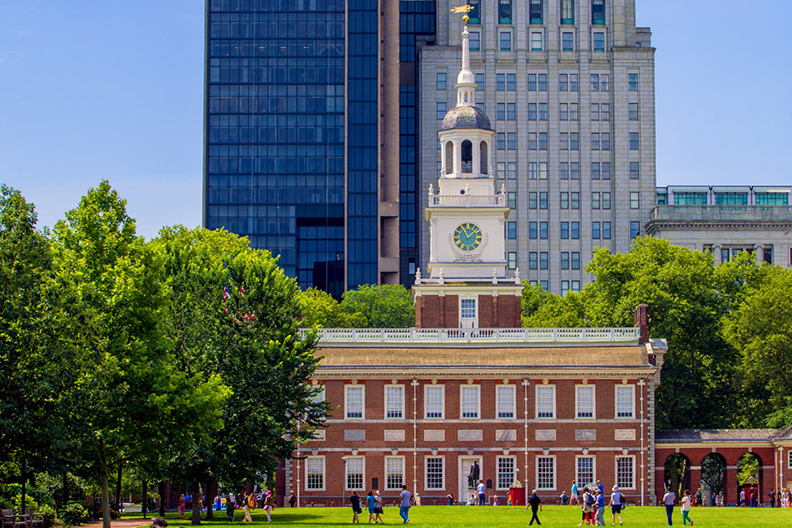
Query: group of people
x: 249, y: 501
x: 374, y: 503
x: 591, y: 499
x: 782, y: 499
x: 669, y: 501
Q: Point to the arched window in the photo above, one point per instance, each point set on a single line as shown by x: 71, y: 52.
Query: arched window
x: 449, y: 158
x: 467, y: 156
x: 598, y: 12
x: 483, y: 157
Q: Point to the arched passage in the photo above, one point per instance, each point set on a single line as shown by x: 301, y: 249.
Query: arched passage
x: 713, y: 477
x: 467, y: 156
x: 676, y: 473
x: 749, y: 479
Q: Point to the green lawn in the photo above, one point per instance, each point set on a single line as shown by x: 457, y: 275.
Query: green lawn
x: 486, y: 516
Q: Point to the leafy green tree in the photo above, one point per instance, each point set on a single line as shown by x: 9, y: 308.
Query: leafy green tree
x: 384, y: 306
x: 542, y: 309
x: 319, y: 309
x: 129, y: 402
x: 760, y: 326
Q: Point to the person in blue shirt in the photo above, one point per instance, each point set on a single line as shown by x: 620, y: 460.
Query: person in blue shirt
x: 406, y: 502
x: 575, y: 494
x: 371, y: 504
x: 600, y: 508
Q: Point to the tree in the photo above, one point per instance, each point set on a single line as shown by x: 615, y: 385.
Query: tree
x: 129, y: 402
x: 319, y: 309
x: 542, y: 309
x: 384, y: 306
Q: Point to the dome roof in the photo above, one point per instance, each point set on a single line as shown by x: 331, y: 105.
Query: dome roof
x: 466, y: 117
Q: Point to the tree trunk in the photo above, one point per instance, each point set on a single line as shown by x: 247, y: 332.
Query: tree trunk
x: 196, y: 505
x: 145, y: 498
x: 161, y: 490
x: 209, y: 501
x: 65, y: 489
x: 118, y: 487
x: 105, y: 489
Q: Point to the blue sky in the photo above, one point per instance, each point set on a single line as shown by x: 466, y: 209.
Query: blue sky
x: 113, y: 89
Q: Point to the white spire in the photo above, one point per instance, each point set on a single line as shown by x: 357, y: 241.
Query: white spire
x: 466, y: 80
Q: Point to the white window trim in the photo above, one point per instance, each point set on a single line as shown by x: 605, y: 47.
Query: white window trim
x: 324, y: 473
x: 346, y: 473
x: 513, y: 401
x: 475, y: 319
x: 555, y: 472
x: 616, y: 472
x: 426, y: 473
x: 442, y: 392
x: 385, y: 400
x: 497, y: 470
x: 536, y: 402
x: 600, y: 29
x: 616, y: 402
x: 593, y: 467
x: 346, y: 405
x: 789, y: 458
x: 594, y: 403
x: 404, y: 480
x: 478, y: 410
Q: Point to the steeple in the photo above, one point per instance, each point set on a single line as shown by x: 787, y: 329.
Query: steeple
x: 466, y: 80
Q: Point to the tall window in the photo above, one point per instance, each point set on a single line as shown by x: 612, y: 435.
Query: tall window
x: 505, y: 403
x: 536, y: 41
x: 598, y: 12
x: 635, y: 229
x: 441, y: 81
x: 584, y: 474
x: 394, y: 401
x: 563, y: 82
x: 625, y: 401
x: 355, y: 395
x: 394, y: 473
x: 606, y: 230
x: 633, y: 111
x: 584, y: 401
x: 483, y: 157
x: 467, y: 156
x: 635, y: 200
x: 475, y: 44
x: 632, y: 82
x: 545, y: 473
x: 536, y: 12
x: 634, y: 141
x: 599, y: 41
x: 504, y: 12
x: 545, y: 401
x: 567, y: 41
x: 435, y: 401
x: 475, y: 13
x: 511, y: 230
x: 469, y: 401
x: 314, y: 473
x: 512, y: 260
x: 449, y: 157
x: 564, y: 254
x: 505, y: 41
x: 506, y: 466
x: 625, y: 472
x: 434, y: 473
x: 441, y: 109
x: 567, y: 11
x: 354, y: 473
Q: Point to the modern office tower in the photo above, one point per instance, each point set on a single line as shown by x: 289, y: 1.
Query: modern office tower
x: 570, y: 85
x: 302, y: 134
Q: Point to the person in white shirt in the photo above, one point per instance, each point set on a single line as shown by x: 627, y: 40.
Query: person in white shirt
x: 616, y: 504
x: 686, y: 508
x: 482, y: 498
x: 668, y: 500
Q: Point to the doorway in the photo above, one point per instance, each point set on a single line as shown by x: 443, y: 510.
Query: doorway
x: 465, y: 463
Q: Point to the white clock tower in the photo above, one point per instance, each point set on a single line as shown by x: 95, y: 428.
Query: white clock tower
x: 467, y: 268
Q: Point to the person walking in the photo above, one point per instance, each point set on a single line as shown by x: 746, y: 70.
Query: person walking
x: 588, y: 508
x: 669, y: 499
x: 574, y: 494
x: 354, y: 501
x: 230, y: 506
x: 536, y: 506
x: 378, y: 511
x: 269, y: 504
x: 616, y: 503
x: 247, y: 501
x: 371, y: 505
x: 686, y: 509
x: 771, y: 495
x: 482, y: 490
x: 182, y: 504
x: 406, y: 501
x: 600, y: 515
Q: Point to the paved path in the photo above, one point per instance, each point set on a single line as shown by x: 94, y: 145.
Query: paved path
x: 126, y: 522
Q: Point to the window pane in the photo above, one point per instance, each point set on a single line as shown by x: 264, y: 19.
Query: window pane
x: 354, y: 401
x: 470, y: 402
x: 545, y: 402
x: 624, y: 402
x: 505, y: 472
x: 545, y: 473
x: 434, y: 473
x: 505, y: 401
x: 585, y: 471
x: 394, y: 402
x: 434, y: 402
x: 394, y: 473
x: 585, y: 401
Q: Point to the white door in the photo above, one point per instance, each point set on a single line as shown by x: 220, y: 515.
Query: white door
x: 464, y: 470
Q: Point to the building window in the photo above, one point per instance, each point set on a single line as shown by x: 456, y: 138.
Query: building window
x: 511, y: 140
x: 598, y: 12
x: 511, y: 111
x: 595, y: 230
x: 565, y: 254
x: 564, y: 200
x: 635, y: 170
x: 531, y: 111
x: 573, y: 111
x: 315, y: 473
x: 632, y: 82
x: 635, y: 200
x: 595, y: 111
x: 731, y: 198
x: 606, y: 172
x: 533, y: 230
x: 536, y: 41
x: 434, y: 396
x: 595, y: 170
x: 394, y: 401
x: 441, y: 110
x: 584, y: 401
x: 469, y: 400
x: 500, y: 111
x: 789, y: 455
x: 574, y: 200
x: 690, y: 198
x: 545, y: 401
x: 564, y: 230
x: 635, y: 229
x: 542, y: 82
x: 563, y: 141
x: 354, y: 473
x: 512, y: 199
x: 606, y: 200
x: 595, y: 200
x: 500, y: 82
x: 536, y: 12
x: 480, y: 80
x: 531, y: 200
x: 475, y: 13
x: 662, y: 197
x: 595, y: 82
x: 772, y: 198
x: 573, y: 82
x: 505, y: 41
x: 563, y: 112
x: 532, y: 143
x: 605, y: 141
x: 574, y: 142
x: 633, y: 111
x: 475, y: 40
x: 567, y: 12
x: 533, y: 260
x: 725, y: 254
x: 531, y: 82
x: 511, y: 230
x: 576, y: 286
x: 435, y: 473
x: 563, y: 171
x: 512, y: 260
x: 543, y: 230
x: 512, y: 172
x: 542, y: 200
x: 545, y: 473
x: 506, y: 466
x: 542, y: 111
x: 500, y: 139
x: 354, y: 401
x: 501, y: 170
x: 634, y: 141
x: 599, y: 41
x: 394, y: 472
x: 441, y: 81
x: 563, y: 79
x: 584, y: 470
x: 542, y: 170
x: 567, y: 41
x: 605, y: 114
x: 504, y: 12
x: 625, y: 472
x: 625, y: 401
x: 595, y: 141
x: 575, y: 260
x: 606, y: 230
x: 505, y: 396
x: 574, y: 168
x: 564, y: 287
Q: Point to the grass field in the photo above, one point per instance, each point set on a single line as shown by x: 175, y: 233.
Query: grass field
x: 473, y: 517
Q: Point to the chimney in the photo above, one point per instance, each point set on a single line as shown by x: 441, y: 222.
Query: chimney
x: 641, y: 321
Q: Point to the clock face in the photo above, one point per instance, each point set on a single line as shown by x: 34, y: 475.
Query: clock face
x: 467, y: 236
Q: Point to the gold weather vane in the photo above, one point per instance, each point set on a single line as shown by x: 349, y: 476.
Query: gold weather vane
x: 462, y: 9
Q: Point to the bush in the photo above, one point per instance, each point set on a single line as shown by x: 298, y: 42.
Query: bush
x: 75, y: 514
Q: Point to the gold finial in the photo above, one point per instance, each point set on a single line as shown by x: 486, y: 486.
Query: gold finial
x: 465, y: 19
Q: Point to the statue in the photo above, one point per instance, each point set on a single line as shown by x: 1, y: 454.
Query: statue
x: 473, y: 476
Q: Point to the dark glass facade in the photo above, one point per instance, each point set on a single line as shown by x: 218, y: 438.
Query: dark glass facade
x: 416, y: 29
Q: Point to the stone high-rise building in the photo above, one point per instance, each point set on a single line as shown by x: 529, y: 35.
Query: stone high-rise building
x: 569, y: 86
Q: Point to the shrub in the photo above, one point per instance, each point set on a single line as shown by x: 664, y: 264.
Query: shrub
x: 75, y: 514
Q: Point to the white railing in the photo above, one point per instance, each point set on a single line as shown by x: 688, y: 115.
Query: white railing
x: 466, y: 200
x: 477, y: 335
